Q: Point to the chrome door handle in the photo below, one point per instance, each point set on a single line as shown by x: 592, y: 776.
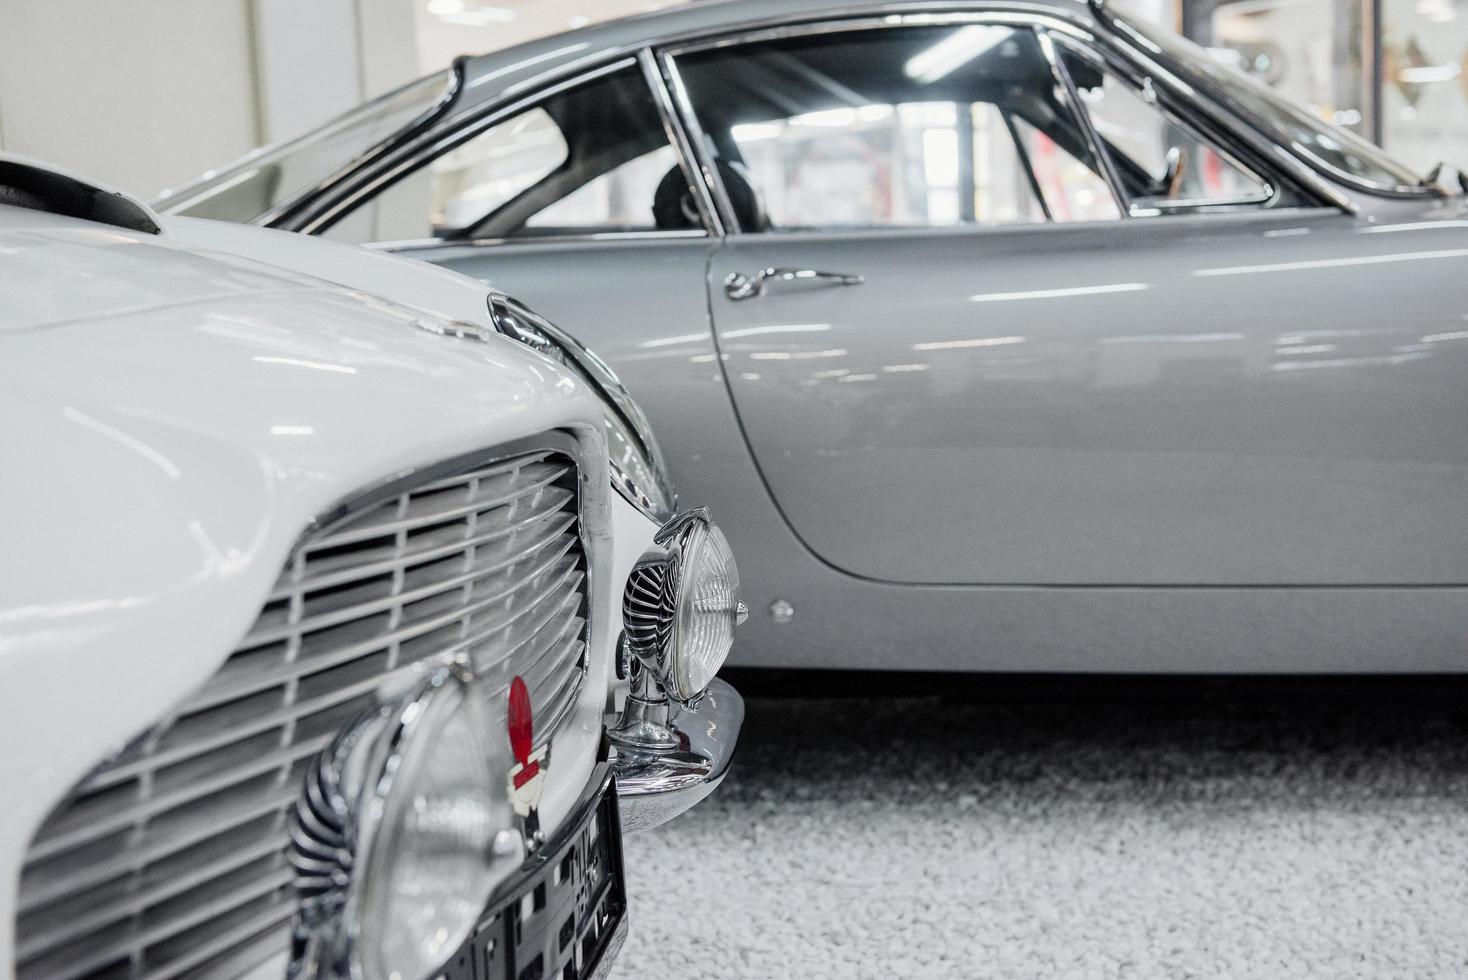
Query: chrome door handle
x: 739, y: 286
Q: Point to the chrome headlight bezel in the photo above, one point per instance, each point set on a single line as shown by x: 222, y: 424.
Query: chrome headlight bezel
x: 639, y: 474
x: 342, y: 831
x: 657, y: 602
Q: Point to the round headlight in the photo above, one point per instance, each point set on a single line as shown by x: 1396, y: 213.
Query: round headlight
x: 682, y: 605
x: 436, y: 834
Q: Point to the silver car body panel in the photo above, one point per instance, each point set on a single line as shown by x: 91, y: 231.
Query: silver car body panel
x: 1228, y: 442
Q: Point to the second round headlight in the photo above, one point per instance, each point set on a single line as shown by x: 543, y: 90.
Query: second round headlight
x: 682, y: 605
x: 435, y: 850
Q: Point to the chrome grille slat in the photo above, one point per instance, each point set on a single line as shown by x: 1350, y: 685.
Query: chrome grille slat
x: 276, y: 676
x: 276, y: 917
x: 264, y: 637
x: 38, y: 894
x: 170, y: 859
x: 140, y: 901
x: 558, y: 706
x: 530, y: 459
x: 427, y: 518
x: 107, y: 953
x: 417, y: 557
x: 92, y: 828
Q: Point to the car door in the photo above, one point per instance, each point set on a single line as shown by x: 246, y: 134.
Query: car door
x: 996, y: 313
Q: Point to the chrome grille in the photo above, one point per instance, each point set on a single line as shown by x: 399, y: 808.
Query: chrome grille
x: 171, y: 858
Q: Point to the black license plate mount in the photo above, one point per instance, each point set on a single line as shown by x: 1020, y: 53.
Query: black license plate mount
x: 564, y: 915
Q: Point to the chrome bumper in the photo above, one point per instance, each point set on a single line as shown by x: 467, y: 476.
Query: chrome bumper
x: 655, y: 787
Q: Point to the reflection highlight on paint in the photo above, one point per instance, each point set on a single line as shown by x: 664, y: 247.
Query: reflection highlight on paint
x: 974, y: 342
x: 1308, y: 264
x: 1113, y: 287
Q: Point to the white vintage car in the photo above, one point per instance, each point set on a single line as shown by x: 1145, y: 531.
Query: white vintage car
x: 310, y: 639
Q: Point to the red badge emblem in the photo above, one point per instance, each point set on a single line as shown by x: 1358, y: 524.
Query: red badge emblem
x: 527, y: 776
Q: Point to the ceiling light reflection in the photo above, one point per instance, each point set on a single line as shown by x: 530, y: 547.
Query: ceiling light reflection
x: 776, y: 328
x: 1113, y: 287
x: 123, y: 439
x: 953, y: 52
x: 1174, y: 338
x: 312, y: 365
x: 685, y: 338
x: 1248, y: 270
x: 975, y: 342
x: 800, y: 355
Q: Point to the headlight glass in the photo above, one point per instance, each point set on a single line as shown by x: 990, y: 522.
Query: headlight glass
x: 432, y: 860
x: 681, y: 605
x: 707, y: 612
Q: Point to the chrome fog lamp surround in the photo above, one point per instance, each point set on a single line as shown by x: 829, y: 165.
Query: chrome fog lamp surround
x: 401, y: 835
x: 678, y: 728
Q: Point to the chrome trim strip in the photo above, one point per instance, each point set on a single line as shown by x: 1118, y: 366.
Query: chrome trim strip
x: 1088, y: 125
x: 1219, y: 143
x: 677, y: 134
x: 811, y: 23
x: 526, y: 93
x: 698, y: 142
x: 167, y: 203
x: 382, y: 149
x: 504, y: 310
x: 410, y: 244
x: 1242, y: 126
x: 1046, y: 19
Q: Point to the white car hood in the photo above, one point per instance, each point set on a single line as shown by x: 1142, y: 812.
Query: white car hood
x: 59, y: 270
x: 170, y: 423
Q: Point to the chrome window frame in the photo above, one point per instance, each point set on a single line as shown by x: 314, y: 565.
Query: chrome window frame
x: 1045, y: 23
x: 1000, y: 16
x: 370, y: 176
x: 281, y: 212
x: 1316, y: 164
x: 1127, y: 75
x: 414, y: 156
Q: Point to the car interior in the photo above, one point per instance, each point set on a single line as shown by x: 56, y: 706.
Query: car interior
x: 612, y: 122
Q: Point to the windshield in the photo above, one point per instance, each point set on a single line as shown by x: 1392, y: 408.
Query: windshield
x: 265, y: 178
x: 1329, y: 146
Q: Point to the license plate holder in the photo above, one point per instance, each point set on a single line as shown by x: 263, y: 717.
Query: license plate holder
x: 564, y: 914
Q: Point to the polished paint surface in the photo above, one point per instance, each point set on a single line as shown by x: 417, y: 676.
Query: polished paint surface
x: 173, y: 419
x: 1271, y: 399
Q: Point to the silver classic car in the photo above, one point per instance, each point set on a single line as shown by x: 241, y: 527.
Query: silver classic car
x: 1002, y: 336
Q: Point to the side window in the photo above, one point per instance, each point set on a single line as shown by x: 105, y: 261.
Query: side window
x: 894, y: 127
x: 592, y: 159
x: 1163, y: 164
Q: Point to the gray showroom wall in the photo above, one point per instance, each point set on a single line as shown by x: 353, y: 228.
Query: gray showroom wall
x: 146, y: 94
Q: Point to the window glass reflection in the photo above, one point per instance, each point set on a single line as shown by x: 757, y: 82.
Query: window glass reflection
x: 897, y: 127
